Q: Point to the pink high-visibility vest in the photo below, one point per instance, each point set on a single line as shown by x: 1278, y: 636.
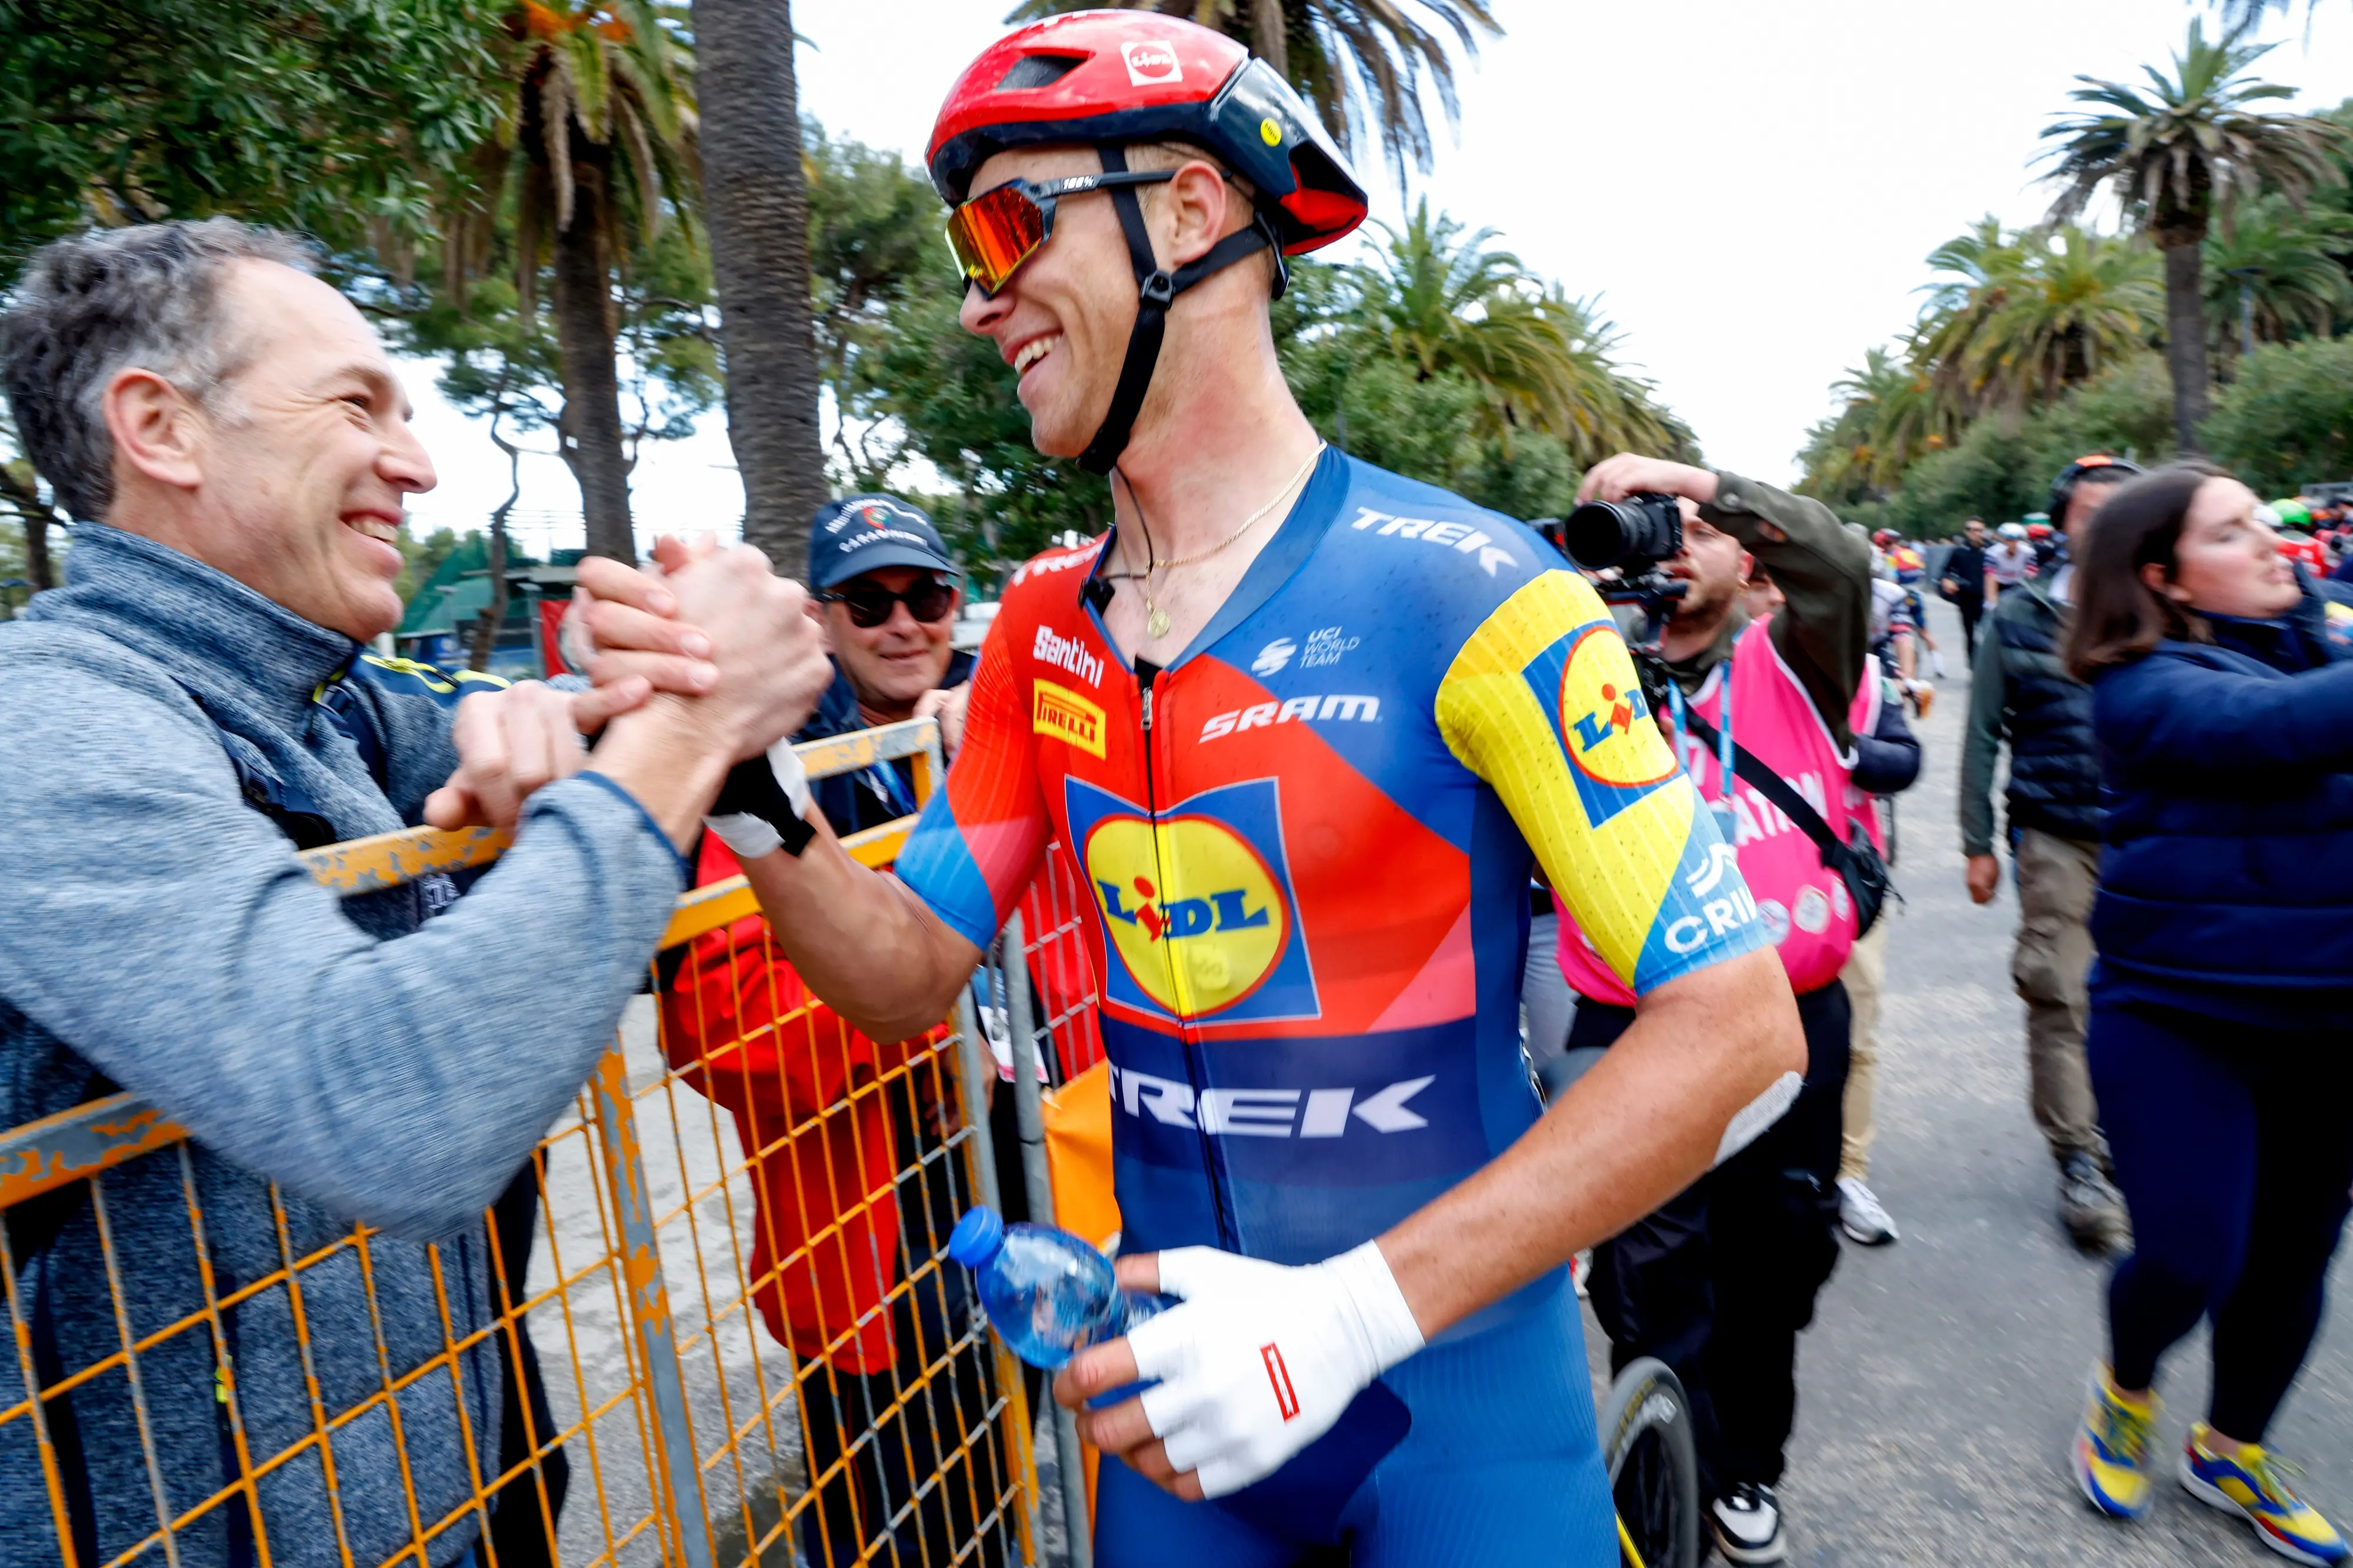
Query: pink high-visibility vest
x: 1805, y: 905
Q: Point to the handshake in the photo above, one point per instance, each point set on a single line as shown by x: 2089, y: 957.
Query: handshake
x: 704, y: 660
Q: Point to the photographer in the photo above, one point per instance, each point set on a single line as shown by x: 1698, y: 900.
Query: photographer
x: 1718, y: 1281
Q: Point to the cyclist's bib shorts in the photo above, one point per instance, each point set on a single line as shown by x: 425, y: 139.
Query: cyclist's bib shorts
x: 1309, y: 839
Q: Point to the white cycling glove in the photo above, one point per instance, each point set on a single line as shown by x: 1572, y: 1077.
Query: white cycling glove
x: 751, y: 821
x: 1260, y: 1360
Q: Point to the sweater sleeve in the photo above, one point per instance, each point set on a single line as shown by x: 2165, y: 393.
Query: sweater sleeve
x: 167, y: 932
x: 2172, y: 712
x: 1981, y: 744
x: 1887, y: 760
x: 1823, y: 573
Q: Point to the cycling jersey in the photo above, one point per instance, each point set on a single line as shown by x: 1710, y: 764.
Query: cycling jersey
x: 1308, y: 840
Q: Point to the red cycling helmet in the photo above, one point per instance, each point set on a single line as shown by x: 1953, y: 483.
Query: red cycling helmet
x: 1116, y: 76
x: 1110, y: 79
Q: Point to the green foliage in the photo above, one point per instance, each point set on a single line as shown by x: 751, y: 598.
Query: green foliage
x: 874, y: 235
x: 336, y: 117
x: 420, y: 558
x: 2288, y: 419
x: 2283, y: 268
x: 2002, y: 468
x: 500, y: 358
x: 1435, y: 298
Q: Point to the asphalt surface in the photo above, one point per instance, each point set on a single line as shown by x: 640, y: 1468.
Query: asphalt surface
x: 1943, y: 1377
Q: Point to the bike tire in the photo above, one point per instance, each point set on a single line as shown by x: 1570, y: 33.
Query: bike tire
x: 1652, y: 1459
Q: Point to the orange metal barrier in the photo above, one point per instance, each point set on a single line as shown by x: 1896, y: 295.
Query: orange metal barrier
x: 742, y: 1320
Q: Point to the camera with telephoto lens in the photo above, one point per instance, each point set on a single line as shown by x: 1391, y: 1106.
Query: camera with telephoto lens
x: 1635, y: 535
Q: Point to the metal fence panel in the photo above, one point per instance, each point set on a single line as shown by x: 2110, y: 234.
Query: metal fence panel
x: 719, y: 1384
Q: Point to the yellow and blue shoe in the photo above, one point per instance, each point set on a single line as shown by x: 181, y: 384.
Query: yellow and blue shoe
x: 2248, y: 1483
x: 2112, y: 1448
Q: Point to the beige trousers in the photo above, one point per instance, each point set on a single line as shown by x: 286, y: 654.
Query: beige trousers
x: 1866, y: 975
x: 2057, y: 881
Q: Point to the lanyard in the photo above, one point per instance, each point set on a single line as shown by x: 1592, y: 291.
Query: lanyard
x: 1722, y: 808
x: 1722, y: 724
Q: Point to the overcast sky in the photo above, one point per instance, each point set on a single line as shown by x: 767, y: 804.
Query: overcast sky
x: 1749, y: 188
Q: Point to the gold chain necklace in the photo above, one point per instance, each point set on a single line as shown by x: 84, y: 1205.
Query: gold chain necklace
x: 1155, y: 619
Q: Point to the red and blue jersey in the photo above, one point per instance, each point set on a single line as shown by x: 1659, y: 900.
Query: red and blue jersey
x: 1308, y: 841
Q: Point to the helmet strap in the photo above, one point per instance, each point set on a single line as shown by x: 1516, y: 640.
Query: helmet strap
x: 1157, y: 290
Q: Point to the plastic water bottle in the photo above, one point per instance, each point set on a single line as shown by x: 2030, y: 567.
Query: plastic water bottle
x: 1049, y: 1294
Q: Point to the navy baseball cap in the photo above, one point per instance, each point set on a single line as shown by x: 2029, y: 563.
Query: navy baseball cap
x: 864, y: 534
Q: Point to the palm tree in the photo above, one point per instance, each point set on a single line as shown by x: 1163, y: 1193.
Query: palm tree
x: 2014, y: 320
x: 2274, y: 273
x: 1360, y: 63
x: 1441, y: 300
x: 2178, y: 155
x: 755, y: 200
x: 601, y: 133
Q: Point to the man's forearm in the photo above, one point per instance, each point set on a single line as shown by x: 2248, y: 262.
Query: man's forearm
x: 870, y: 949
x: 1981, y: 745
x: 666, y: 763
x: 1824, y: 574
x: 1638, y: 1128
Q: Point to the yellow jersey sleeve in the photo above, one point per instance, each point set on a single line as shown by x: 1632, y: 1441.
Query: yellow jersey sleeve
x: 1543, y: 703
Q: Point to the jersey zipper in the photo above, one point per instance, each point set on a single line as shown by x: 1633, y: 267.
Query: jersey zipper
x: 1228, y: 1234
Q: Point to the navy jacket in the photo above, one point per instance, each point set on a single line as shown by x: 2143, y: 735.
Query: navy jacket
x: 2226, y: 886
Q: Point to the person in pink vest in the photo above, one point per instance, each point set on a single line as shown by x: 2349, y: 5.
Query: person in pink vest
x: 1719, y: 1281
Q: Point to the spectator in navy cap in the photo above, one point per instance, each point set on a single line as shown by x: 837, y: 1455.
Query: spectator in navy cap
x: 887, y: 595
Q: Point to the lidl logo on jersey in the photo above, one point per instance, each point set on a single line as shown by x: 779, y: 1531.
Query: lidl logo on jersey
x: 1590, y: 690
x: 1199, y: 922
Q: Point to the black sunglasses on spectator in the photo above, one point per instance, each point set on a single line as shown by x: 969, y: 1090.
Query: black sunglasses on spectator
x: 870, y: 603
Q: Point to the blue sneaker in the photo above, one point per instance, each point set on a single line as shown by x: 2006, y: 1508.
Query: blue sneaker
x: 2249, y: 1484
x: 2111, y: 1447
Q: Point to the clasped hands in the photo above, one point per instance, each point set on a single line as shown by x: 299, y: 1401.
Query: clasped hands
x: 707, y: 640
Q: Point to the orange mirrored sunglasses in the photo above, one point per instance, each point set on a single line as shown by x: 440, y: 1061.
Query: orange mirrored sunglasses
x: 998, y: 230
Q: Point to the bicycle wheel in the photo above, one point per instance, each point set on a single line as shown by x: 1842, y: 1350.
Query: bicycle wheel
x: 1653, y: 1463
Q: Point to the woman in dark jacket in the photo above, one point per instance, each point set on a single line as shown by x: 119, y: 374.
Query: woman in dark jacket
x: 2221, y: 1033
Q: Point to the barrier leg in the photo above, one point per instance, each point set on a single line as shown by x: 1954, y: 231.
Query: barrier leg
x: 678, y: 1480
x: 1038, y: 1183
x: 972, y: 1060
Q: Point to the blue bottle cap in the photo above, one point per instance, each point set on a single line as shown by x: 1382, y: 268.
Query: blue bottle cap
x: 976, y: 1238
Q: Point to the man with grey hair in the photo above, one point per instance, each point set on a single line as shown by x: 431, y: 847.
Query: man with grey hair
x: 234, y: 446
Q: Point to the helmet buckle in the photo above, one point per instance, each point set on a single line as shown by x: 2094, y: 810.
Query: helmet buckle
x: 1158, y: 288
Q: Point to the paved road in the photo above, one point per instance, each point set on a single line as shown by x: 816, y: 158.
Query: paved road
x: 1943, y: 1376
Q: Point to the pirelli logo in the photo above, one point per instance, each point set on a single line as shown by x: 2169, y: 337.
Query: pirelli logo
x: 1062, y: 713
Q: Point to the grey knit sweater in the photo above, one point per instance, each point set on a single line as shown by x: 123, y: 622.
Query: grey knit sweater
x: 377, y: 1066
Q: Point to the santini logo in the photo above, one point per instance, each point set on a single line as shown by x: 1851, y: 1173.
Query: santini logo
x: 1066, y: 653
x: 1364, y: 710
x: 1267, y: 1112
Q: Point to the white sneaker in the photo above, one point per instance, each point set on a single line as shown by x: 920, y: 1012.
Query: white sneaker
x: 1861, y: 1216
x: 1746, y: 1524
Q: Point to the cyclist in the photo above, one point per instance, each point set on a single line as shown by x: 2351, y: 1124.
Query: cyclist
x: 1302, y: 725
x: 1910, y: 568
x: 2009, y: 563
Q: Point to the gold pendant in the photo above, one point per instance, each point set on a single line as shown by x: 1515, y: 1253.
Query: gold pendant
x: 1156, y: 621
